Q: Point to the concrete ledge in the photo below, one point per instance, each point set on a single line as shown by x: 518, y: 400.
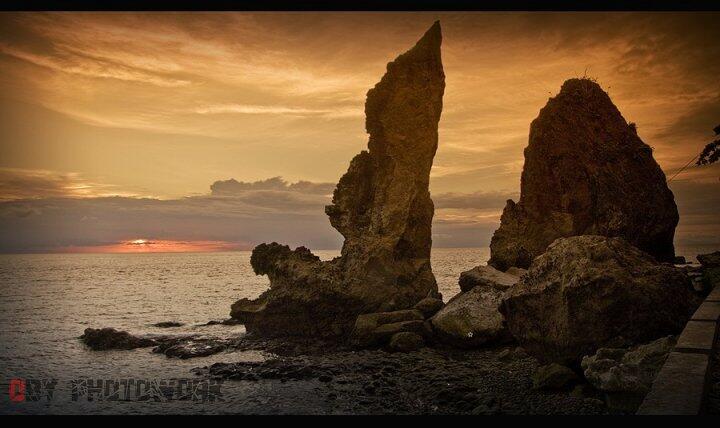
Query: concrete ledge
x: 698, y: 336
x: 708, y: 311
x: 679, y: 387
x: 714, y: 295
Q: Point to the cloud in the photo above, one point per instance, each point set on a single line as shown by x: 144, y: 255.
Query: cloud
x: 279, y: 110
x: 234, y: 187
x: 17, y: 183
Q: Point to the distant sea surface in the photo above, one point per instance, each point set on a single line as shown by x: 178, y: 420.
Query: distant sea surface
x: 49, y: 299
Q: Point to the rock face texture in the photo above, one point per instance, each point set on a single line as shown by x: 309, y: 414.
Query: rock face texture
x: 588, y: 292
x: 381, y: 206
x: 626, y: 375
x: 486, y: 276
x: 586, y: 173
x: 471, y: 319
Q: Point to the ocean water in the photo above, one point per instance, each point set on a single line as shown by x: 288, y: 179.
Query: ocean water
x: 49, y: 299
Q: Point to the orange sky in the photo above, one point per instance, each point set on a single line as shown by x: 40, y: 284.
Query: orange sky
x: 161, y: 105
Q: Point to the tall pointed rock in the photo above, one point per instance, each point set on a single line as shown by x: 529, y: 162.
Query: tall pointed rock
x: 586, y: 173
x: 381, y: 206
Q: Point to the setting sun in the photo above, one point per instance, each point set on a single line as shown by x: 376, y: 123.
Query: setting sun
x: 157, y: 246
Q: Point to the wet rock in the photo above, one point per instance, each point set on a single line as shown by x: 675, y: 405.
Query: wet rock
x: 589, y: 292
x: 191, y: 347
x: 406, y: 342
x: 626, y: 375
x: 486, y: 276
x: 586, y: 172
x: 381, y: 206
x: 429, y: 306
x: 102, y: 339
x: 553, y: 376
x: 229, y: 321
x: 168, y: 324
x: 471, y: 319
x: 680, y: 260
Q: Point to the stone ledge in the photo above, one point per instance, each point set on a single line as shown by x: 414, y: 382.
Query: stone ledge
x: 679, y: 387
x: 698, y: 336
x: 708, y: 311
x: 714, y: 295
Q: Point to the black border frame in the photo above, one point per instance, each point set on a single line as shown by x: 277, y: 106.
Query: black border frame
x: 356, y: 5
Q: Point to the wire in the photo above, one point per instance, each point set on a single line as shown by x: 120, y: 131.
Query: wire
x: 683, y: 168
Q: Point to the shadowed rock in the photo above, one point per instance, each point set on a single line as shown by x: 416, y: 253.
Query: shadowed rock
x: 588, y: 292
x: 103, y: 339
x: 586, y: 172
x: 626, y: 375
x: 381, y: 206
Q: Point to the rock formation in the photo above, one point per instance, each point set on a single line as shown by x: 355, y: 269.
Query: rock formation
x: 471, y: 318
x: 381, y: 206
x: 586, y: 173
x: 588, y: 292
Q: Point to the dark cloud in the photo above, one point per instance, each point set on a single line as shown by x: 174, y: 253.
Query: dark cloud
x: 234, y: 187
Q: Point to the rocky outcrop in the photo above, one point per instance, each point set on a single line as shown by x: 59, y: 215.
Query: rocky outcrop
x: 588, y: 292
x: 471, y: 319
x: 179, y: 346
x: 626, y: 375
x: 486, y: 276
x: 104, y: 339
x: 381, y: 206
x: 586, y: 172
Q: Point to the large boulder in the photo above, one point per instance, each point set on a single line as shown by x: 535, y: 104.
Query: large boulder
x: 626, y: 375
x: 381, y: 206
x: 586, y: 172
x: 471, y: 319
x: 588, y: 292
x: 486, y: 276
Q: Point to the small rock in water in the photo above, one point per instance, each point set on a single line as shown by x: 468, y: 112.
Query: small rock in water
x: 102, y: 339
x: 553, y: 376
x: 168, y: 324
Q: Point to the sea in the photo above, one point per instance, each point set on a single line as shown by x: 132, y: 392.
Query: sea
x: 48, y: 300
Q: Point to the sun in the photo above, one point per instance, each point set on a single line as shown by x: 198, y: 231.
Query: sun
x: 139, y: 242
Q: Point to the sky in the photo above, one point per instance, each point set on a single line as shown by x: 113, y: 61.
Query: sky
x: 215, y: 131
